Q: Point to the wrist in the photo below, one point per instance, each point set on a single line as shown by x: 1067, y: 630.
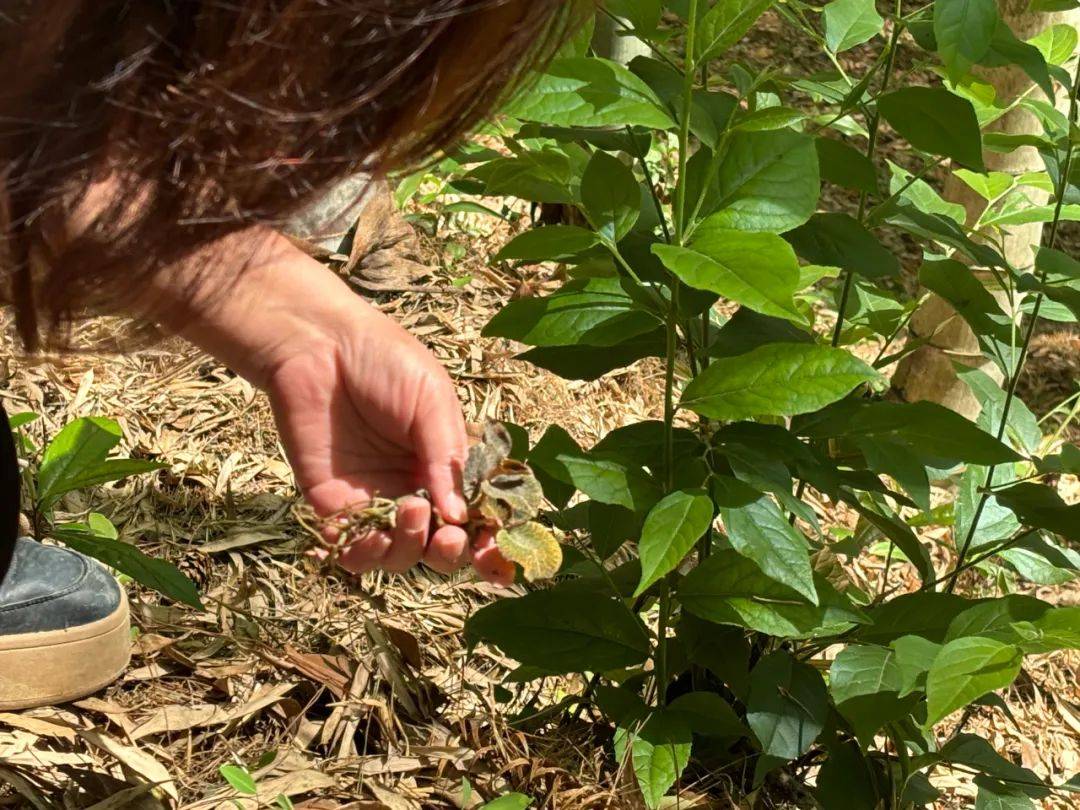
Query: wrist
x: 277, y: 304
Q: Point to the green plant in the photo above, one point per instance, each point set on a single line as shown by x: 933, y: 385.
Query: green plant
x: 707, y: 605
x: 240, y: 779
x: 77, y: 458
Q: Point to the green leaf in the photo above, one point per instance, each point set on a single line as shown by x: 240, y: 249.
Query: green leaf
x: 1040, y: 560
x: 111, y: 469
x: 509, y: 801
x: 767, y: 181
x: 787, y: 709
x: 761, y: 532
x: 239, y: 779
x: 894, y: 458
x: 1053, y: 5
x: 661, y: 750
x: 643, y: 443
x: 611, y: 481
x: 964, y: 30
x: 590, y: 92
x: 81, y: 444
x: 725, y: 24
x: 746, y: 330
x: 775, y: 380
x: 550, y: 243
x: 620, y: 704
x: 1056, y: 629
x: 580, y: 41
x: 955, y: 282
x: 1006, y: 49
x: 722, y: 650
x: 838, y: 240
x: 1042, y: 507
x: 989, y: 186
x: 709, y: 112
x: 849, y: 23
x: 897, y: 531
x: 22, y: 419
x: 847, y: 780
x: 160, y: 575
x: 610, y: 526
x: 610, y: 196
x: 942, y: 228
x: 1022, y: 426
x: 670, y: 531
x: 914, y: 657
x: 977, y: 753
x: 101, y: 526
x: 757, y: 270
x: 642, y: 14
x: 967, y: 669
x: 769, y: 118
x: 937, y: 434
x: 588, y: 312
x: 552, y: 475
x: 995, y: 795
x: 708, y: 714
x: 994, y: 617
x: 563, y: 629
x: 936, y: 121
x: 728, y: 588
x: 1057, y: 43
x: 586, y: 363
x: 549, y: 175
x: 866, y: 682
x: 926, y: 614
x: 846, y: 166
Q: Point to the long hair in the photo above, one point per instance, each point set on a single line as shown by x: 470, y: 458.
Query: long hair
x: 214, y: 115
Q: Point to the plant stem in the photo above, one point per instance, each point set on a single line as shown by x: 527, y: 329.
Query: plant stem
x: 649, y: 183
x: 684, y: 123
x: 661, y: 644
x: 1003, y: 546
x: 679, y: 207
x: 1029, y: 332
x: 849, y: 278
x: 669, y: 388
x: 902, y: 758
x: 871, y: 148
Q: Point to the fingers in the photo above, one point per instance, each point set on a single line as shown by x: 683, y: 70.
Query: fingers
x: 448, y: 549
x: 441, y: 446
x: 489, y: 562
x: 366, y: 554
x: 400, y: 549
x: 409, y: 536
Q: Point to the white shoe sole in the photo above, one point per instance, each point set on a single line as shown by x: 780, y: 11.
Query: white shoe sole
x: 56, y: 666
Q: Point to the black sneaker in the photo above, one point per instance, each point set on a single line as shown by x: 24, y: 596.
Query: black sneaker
x: 64, y: 626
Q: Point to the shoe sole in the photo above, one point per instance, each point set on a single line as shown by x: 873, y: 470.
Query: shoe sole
x: 56, y: 666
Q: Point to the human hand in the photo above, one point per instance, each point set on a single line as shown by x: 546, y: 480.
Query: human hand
x: 363, y: 409
x: 368, y: 412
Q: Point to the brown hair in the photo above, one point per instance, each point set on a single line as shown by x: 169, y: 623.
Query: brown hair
x: 222, y: 113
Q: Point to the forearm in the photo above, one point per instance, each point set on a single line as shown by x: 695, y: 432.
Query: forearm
x: 253, y: 300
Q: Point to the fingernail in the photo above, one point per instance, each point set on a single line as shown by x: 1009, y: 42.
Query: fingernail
x: 457, y: 508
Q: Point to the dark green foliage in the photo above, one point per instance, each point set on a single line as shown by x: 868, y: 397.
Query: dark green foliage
x: 699, y: 181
